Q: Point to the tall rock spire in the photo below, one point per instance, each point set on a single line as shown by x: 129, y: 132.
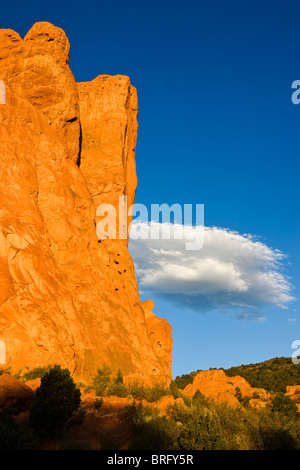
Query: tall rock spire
x: 67, y: 297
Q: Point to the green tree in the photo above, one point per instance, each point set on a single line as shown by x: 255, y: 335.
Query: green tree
x: 119, y: 377
x: 101, y: 380
x: 284, y: 404
x: 117, y: 387
x: 36, y: 373
x: 55, y: 401
x: 202, y: 433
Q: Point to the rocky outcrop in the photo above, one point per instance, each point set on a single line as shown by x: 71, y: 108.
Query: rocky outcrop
x: 14, y: 394
x: 160, y: 334
x: 34, y: 384
x: 108, y: 112
x: 67, y: 297
x: 215, y: 384
x: 37, y: 70
x: 166, y: 402
x: 293, y: 391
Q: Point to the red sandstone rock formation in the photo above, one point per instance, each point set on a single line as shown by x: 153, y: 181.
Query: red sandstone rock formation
x: 67, y: 297
x: 14, y: 393
x: 215, y: 384
x: 293, y: 391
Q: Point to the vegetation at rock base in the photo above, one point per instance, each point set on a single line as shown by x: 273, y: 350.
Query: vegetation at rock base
x: 185, y: 379
x: 207, y: 425
x: 36, y: 373
x: 152, y: 431
x: 55, y: 402
x: 196, y: 423
x: 106, y: 385
x: 203, y: 424
x: 101, y: 380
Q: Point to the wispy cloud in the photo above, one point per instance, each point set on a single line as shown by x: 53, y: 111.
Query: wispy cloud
x: 231, y: 270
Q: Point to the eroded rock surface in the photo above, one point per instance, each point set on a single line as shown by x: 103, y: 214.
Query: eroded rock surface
x: 14, y: 394
x: 67, y: 297
x: 215, y: 384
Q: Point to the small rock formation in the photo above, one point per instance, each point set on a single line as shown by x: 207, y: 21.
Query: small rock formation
x: 14, y: 394
x: 160, y: 334
x: 67, y: 297
x: 293, y: 391
x: 34, y: 384
x: 215, y: 384
x: 167, y: 401
x: 37, y: 70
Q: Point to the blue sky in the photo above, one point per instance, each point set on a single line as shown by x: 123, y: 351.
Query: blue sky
x: 216, y: 127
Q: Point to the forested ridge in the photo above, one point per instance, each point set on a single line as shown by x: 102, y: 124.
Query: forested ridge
x: 274, y: 375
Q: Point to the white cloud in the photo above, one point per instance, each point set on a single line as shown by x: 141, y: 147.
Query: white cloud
x: 231, y: 270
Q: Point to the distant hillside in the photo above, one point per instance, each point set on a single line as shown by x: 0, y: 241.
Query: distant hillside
x: 273, y: 375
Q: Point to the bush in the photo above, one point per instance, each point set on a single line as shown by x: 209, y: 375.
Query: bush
x: 118, y: 389
x: 244, y: 401
x: 284, y: 404
x: 182, y: 381
x: 179, y: 414
x: 104, y: 385
x: 200, y: 401
x: 119, y: 378
x: 36, y: 373
x: 154, y: 393
x: 174, y: 391
x: 136, y: 390
x: 152, y: 432
x: 150, y: 394
x: 54, y: 403
x: 207, y: 425
x: 5, y: 370
x: 202, y: 433
x: 101, y: 380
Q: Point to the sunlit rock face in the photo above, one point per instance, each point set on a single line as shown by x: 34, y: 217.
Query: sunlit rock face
x: 67, y: 297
